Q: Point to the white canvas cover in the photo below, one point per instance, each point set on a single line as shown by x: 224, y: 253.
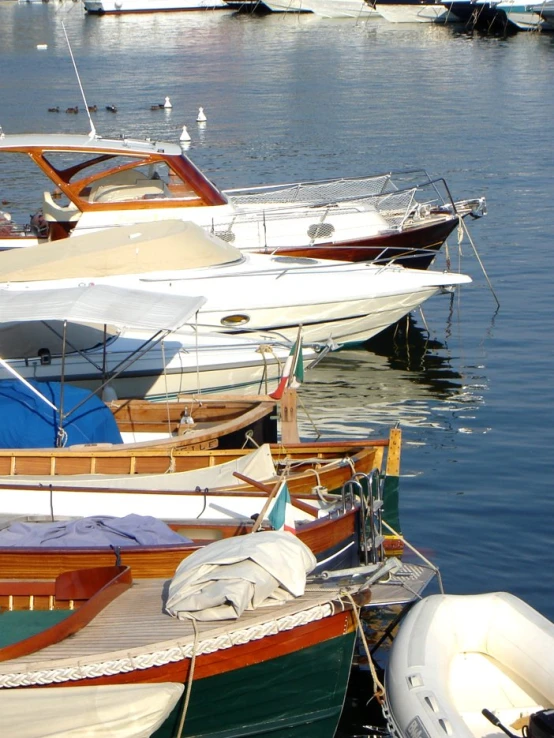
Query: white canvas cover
x: 171, y: 245
x: 99, y: 304
x: 257, y: 465
x: 108, y: 711
x: 222, y: 580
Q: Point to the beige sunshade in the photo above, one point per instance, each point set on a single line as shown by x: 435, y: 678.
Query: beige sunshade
x: 170, y: 245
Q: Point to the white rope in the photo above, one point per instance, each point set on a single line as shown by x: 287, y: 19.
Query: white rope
x: 175, y: 652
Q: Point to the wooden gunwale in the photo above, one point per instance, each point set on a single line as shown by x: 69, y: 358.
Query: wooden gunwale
x: 135, y: 626
x: 94, y: 588
x: 145, y: 459
x: 313, y: 470
x: 162, y: 561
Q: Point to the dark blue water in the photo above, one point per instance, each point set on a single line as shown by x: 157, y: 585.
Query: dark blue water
x: 299, y: 98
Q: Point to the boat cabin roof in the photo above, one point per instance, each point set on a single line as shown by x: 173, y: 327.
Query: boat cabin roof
x: 76, y: 142
x: 97, y: 173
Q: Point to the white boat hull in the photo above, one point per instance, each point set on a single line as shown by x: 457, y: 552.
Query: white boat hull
x: 414, y: 13
x: 99, y: 7
x: 456, y: 655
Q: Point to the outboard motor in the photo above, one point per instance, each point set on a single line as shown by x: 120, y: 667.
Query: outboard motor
x: 541, y: 724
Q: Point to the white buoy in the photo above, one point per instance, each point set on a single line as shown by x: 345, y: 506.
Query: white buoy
x: 167, y: 103
x: 185, y: 136
x: 201, y: 117
x: 42, y: 47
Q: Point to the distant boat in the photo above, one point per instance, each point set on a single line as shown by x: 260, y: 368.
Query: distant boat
x: 481, y: 15
x: 343, y: 9
x: 459, y: 661
x: 414, y: 11
x: 101, y: 7
x: 529, y: 17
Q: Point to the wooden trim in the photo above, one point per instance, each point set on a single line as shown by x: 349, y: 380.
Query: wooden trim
x: 107, y: 583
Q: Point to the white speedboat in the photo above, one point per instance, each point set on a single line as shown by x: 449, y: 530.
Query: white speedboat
x: 405, y: 217
x: 456, y: 656
x: 249, y: 294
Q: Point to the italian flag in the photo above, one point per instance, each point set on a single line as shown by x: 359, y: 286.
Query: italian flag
x: 293, y: 372
x: 281, y: 514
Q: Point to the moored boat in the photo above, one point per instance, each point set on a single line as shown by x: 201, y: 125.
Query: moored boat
x: 296, y: 650
x: 143, y: 181
x: 245, y: 293
x: 460, y: 661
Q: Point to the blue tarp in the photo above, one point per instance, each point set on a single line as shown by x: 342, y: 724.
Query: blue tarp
x: 28, y: 422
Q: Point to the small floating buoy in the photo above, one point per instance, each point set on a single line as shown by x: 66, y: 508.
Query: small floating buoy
x: 185, y: 136
x: 201, y: 117
x: 42, y: 47
x: 167, y: 103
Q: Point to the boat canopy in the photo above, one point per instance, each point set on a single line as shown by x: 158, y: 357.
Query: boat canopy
x: 99, y: 304
x: 169, y: 246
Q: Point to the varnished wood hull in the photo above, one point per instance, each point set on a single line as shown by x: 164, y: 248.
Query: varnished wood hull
x: 152, y: 459
x: 334, y: 541
x: 414, y: 247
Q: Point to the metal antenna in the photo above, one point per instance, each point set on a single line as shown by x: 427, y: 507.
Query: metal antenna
x: 92, y: 128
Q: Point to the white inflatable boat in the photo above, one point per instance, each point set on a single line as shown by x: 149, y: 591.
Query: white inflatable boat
x: 457, y: 655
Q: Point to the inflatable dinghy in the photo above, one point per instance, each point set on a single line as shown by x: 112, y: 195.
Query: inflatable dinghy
x: 471, y: 666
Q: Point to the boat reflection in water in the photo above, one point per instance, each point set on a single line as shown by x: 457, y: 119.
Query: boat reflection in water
x: 392, y: 379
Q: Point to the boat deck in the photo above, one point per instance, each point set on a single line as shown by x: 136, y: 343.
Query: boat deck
x: 135, y: 629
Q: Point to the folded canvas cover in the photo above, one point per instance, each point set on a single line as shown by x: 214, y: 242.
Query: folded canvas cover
x: 222, y: 580
x: 169, y: 245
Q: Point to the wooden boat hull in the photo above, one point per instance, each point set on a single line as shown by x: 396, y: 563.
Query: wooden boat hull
x: 461, y: 654
x: 414, y: 247
x: 90, y: 459
x: 334, y: 542
x: 292, y: 683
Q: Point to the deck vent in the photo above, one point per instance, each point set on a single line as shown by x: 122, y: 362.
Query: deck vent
x: 321, y: 230
x: 228, y: 236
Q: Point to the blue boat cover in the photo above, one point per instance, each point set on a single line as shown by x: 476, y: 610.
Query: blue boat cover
x: 130, y: 530
x: 28, y: 422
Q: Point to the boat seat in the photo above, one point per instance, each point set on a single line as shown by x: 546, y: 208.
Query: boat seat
x: 121, y: 193
x: 55, y: 213
x: 126, y: 185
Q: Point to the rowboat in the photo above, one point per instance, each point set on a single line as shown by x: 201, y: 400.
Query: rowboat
x: 471, y: 666
x: 401, y: 216
x: 296, y: 650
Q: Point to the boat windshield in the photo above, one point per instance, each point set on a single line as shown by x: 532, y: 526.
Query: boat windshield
x: 114, y: 178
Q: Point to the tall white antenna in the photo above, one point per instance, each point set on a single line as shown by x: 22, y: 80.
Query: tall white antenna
x: 92, y: 128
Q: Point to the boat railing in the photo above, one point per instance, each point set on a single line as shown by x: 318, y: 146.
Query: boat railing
x: 329, y: 190
x: 368, y: 490
x: 321, y: 205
